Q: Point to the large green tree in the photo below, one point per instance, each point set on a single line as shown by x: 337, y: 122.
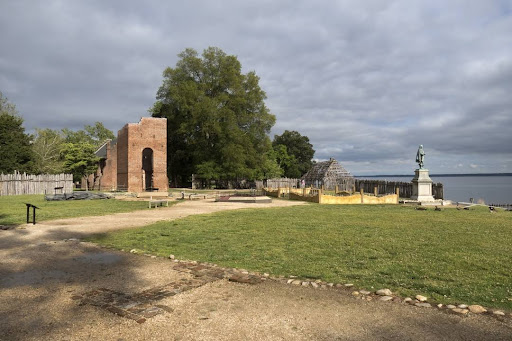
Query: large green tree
x: 47, y: 147
x: 217, y: 121
x: 95, y: 135
x: 53, y: 151
x: 15, y: 149
x: 79, y: 159
x: 79, y: 147
x: 299, y: 153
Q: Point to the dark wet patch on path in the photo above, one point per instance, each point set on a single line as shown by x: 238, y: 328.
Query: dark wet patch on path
x: 144, y: 305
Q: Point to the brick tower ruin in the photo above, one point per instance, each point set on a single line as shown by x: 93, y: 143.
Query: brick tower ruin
x: 137, y: 160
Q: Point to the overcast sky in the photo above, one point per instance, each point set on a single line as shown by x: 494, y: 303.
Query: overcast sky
x: 366, y: 81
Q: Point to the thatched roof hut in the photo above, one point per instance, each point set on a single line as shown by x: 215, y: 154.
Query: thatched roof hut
x: 329, y: 174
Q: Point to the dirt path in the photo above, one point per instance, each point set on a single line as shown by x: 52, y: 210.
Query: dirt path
x: 57, y: 289
x: 79, y: 227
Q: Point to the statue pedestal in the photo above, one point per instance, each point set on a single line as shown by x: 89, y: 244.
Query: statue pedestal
x: 422, y: 186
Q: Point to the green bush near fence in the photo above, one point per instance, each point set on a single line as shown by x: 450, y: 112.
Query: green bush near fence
x: 450, y: 256
x: 13, y: 209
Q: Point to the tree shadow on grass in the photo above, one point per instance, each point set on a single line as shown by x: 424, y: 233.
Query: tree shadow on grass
x: 5, y: 223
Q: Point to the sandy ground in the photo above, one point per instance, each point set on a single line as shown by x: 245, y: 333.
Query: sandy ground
x: 41, y: 275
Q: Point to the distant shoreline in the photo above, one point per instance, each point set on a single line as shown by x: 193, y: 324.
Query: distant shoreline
x: 434, y: 175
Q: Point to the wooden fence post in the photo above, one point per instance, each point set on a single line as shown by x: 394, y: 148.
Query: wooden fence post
x: 362, y: 195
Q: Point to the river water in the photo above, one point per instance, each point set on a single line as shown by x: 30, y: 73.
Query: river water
x: 495, y: 189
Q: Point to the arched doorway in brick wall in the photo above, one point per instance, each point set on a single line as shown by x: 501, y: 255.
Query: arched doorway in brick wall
x: 147, y: 168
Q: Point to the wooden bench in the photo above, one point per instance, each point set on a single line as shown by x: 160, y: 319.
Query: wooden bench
x: 156, y: 203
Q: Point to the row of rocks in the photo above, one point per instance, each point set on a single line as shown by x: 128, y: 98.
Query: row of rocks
x: 244, y: 276
x: 387, y: 295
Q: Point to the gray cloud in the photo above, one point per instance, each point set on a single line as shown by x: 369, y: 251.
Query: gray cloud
x: 365, y: 81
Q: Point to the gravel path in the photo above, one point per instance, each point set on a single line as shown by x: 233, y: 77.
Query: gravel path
x: 53, y: 287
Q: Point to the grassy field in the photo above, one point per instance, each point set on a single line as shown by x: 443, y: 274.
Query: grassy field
x: 450, y: 256
x: 13, y: 210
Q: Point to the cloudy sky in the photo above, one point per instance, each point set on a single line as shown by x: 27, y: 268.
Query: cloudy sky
x: 366, y: 81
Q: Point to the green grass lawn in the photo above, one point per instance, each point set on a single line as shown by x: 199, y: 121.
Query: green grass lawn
x: 13, y: 210
x: 450, y: 256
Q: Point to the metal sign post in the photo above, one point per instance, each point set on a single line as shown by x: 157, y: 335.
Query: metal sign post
x: 33, y: 213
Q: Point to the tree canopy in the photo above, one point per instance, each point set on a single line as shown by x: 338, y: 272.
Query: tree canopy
x: 54, y: 149
x: 49, y: 151
x: 47, y: 147
x: 297, y: 157
x: 217, y: 121
x: 15, y: 149
x: 78, y: 148
x: 79, y: 159
x: 95, y: 135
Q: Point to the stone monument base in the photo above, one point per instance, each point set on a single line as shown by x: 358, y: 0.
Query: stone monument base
x: 436, y: 202
x: 422, y: 186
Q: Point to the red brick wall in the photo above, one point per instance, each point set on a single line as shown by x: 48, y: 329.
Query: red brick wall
x: 108, y: 181
x: 122, y: 158
x: 123, y: 162
x: 132, y: 140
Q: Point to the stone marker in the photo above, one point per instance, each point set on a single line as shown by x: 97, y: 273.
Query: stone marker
x: 477, y: 309
x: 384, y: 292
x: 421, y: 298
x: 460, y: 311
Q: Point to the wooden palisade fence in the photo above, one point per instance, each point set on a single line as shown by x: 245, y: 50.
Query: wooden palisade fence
x: 388, y: 187
x: 278, y: 183
x: 18, y: 183
x: 368, y: 186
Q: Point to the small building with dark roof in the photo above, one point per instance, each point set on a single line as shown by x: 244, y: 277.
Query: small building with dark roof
x: 329, y: 174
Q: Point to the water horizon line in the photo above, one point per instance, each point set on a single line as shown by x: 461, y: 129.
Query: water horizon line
x: 434, y: 175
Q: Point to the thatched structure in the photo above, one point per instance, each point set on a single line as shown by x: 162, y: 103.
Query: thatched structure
x: 329, y: 174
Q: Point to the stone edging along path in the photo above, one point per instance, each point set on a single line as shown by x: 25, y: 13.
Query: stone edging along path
x: 210, y: 272
x: 66, y: 228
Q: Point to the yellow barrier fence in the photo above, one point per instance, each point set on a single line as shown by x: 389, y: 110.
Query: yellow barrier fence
x: 316, y: 196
